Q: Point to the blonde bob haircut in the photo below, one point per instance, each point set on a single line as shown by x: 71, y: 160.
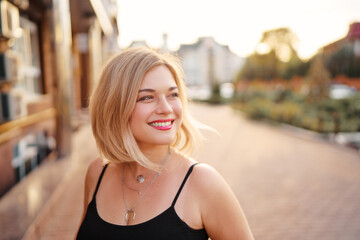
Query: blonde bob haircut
x: 114, y: 99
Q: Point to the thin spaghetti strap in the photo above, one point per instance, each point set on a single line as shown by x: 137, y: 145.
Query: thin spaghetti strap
x: 183, y: 183
x: 100, y: 177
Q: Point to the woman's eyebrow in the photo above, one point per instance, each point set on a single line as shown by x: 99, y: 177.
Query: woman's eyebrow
x: 146, y: 90
x: 152, y: 90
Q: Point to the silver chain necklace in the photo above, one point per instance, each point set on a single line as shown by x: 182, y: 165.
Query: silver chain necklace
x: 130, y: 211
x: 139, y: 190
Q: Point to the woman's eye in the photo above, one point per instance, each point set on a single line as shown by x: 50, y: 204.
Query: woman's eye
x: 174, y: 95
x: 145, y: 98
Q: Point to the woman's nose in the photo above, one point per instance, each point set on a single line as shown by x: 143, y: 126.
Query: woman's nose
x: 164, y: 106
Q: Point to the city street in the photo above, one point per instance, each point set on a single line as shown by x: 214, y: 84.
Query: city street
x: 292, y: 184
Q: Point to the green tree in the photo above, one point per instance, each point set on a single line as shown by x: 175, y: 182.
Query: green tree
x: 275, y: 56
x: 282, y: 41
x: 295, y: 66
x: 259, y: 66
x: 318, y: 79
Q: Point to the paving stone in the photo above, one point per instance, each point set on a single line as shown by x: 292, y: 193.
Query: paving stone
x: 291, y: 184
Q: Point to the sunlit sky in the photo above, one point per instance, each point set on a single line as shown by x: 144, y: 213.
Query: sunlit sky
x: 238, y: 24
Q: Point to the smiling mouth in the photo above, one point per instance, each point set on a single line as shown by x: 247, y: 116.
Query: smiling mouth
x: 162, y: 125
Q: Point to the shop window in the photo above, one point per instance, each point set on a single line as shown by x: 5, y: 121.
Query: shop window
x: 26, y: 51
x: 20, y: 82
x: 30, y: 152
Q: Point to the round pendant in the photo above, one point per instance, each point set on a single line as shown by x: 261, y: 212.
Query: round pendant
x: 140, y: 179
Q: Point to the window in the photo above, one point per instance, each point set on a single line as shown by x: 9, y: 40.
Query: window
x: 26, y: 51
x: 21, y: 79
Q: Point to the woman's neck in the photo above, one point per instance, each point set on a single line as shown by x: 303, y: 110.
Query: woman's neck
x: 155, y: 154
x: 158, y: 154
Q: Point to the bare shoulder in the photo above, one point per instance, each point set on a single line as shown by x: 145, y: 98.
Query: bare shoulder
x: 216, y: 200
x: 94, y: 168
x: 92, y: 176
x: 207, y: 177
x: 208, y: 183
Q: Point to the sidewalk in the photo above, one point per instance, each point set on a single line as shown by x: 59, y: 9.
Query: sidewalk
x: 40, y: 199
x: 292, y: 185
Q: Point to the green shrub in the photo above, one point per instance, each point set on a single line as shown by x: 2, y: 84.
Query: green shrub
x: 327, y: 115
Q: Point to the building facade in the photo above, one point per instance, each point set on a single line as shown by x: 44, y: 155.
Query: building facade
x: 207, y: 64
x: 352, y: 39
x: 50, y: 54
x: 206, y: 57
x: 342, y: 59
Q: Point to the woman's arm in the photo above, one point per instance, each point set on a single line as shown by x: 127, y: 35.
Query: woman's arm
x: 221, y: 213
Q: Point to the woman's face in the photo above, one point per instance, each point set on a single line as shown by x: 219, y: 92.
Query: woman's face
x: 157, y: 114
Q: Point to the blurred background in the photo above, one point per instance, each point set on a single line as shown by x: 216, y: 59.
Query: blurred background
x: 279, y: 80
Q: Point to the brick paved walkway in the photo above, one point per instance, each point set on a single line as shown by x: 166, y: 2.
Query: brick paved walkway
x: 62, y: 218
x: 292, y: 185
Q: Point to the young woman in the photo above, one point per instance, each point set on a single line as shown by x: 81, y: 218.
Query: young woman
x: 145, y: 186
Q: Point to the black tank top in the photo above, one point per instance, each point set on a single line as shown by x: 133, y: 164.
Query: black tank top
x: 166, y: 225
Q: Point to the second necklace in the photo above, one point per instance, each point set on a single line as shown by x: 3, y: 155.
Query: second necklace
x: 130, y: 211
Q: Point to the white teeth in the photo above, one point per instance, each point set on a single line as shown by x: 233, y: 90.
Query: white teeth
x: 160, y: 124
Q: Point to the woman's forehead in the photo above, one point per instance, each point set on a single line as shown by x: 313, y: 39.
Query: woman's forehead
x: 159, y: 76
